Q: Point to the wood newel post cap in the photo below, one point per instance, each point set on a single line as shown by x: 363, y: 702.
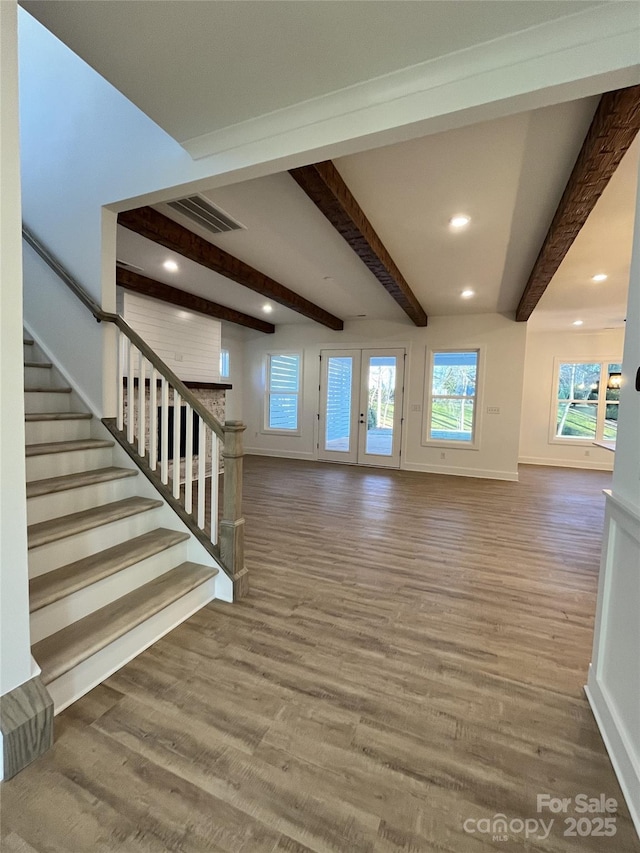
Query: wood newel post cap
x: 234, y: 426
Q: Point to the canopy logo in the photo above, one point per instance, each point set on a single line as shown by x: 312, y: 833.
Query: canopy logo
x: 500, y: 827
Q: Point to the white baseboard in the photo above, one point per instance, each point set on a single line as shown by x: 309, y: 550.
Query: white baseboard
x: 280, y: 454
x: 480, y: 473
x: 566, y: 463
x: 625, y: 763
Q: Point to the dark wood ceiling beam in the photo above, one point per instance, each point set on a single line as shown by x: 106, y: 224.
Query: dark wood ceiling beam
x: 614, y: 127
x: 174, y: 296
x: 327, y: 190
x: 155, y: 226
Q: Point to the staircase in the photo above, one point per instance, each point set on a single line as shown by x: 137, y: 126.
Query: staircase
x: 111, y: 567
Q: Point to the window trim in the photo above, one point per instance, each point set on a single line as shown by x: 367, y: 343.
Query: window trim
x: 266, y: 429
x: 601, y: 403
x: 474, y: 444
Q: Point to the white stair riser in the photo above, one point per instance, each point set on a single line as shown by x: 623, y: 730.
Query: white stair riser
x: 44, y: 401
x: 41, y: 377
x: 29, y: 353
x: 44, y: 507
x: 61, y: 613
x: 72, y: 462
x: 45, y: 558
x: 98, y: 667
x: 38, y: 432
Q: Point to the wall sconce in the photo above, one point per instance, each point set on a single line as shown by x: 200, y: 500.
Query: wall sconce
x: 615, y: 380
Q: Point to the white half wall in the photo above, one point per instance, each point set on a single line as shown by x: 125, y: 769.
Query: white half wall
x: 501, y: 340
x: 15, y: 652
x: 614, y: 675
x: 537, y: 402
x: 187, y: 342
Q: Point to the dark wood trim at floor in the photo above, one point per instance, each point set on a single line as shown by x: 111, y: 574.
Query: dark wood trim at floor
x: 411, y: 656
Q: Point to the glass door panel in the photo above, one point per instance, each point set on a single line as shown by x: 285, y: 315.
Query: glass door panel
x: 339, y: 397
x: 381, y: 404
x: 338, y: 421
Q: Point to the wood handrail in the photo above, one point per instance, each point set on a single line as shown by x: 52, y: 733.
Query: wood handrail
x: 104, y: 316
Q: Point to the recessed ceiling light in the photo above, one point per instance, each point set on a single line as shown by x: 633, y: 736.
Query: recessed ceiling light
x: 577, y: 322
x: 172, y: 266
x: 600, y: 277
x: 467, y: 294
x: 267, y: 308
x: 459, y: 220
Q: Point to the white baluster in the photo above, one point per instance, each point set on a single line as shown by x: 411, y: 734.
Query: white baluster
x: 131, y: 396
x: 153, y: 419
x: 164, y: 432
x: 142, y: 405
x: 214, y: 487
x: 120, y: 378
x: 188, y: 459
x: 177, y: 400
x: 202, y: 454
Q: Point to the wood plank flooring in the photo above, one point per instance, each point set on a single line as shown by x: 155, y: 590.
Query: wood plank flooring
x: 411, y: 656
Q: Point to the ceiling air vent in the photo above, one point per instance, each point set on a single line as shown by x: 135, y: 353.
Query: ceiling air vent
x: 205, y: 214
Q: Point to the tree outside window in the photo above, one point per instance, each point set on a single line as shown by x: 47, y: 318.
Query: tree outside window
x: 587, y: 401
x: 452, y: 397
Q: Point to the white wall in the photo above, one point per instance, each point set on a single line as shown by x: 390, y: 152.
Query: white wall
x: 502, y: 342
x: 542, y: 349
x: 614, y: 676
x: 15, y: 653
x: 187, y: 342
x: 233, y: 338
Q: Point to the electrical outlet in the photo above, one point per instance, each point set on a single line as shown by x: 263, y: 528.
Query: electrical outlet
x: 179, y: 356
x: 416, y: 407
x: 443, y: 455
x: 587, y: 453
x: 493, y: 410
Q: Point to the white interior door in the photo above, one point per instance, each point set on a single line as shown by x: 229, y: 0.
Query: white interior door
x: 361, y: 406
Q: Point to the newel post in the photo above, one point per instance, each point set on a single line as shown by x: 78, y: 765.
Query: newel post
x: 232, y: 523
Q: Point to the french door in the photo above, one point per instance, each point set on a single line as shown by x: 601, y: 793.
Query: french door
x: 361, y: 406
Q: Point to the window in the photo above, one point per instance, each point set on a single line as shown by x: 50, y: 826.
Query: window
x: 224, y: 364
x: 283, y: 392
x: 452, y: 397
x: 585, y: 406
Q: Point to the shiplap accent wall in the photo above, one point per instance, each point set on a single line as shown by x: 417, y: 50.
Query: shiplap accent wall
x: 187, y: 342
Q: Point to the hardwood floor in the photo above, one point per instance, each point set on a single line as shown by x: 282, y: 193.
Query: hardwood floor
x: 411, y: 657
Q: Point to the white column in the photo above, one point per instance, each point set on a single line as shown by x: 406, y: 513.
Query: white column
x: 15, y: 653
x: 614, y: 675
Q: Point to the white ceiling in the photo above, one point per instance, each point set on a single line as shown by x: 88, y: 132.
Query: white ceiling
x: 196, y: 67
x: 208, y: 65
x: 507, y: 174
x: 602, y: 246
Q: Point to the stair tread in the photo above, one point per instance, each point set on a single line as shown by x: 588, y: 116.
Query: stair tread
x: 66, y: 446
x: 53, y: 586
x: 39, y: 389
x: 44, y: 532
x: 76, y: 481
x: 58, y: 416
x: 46, y: 364
x: 67, y: 648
